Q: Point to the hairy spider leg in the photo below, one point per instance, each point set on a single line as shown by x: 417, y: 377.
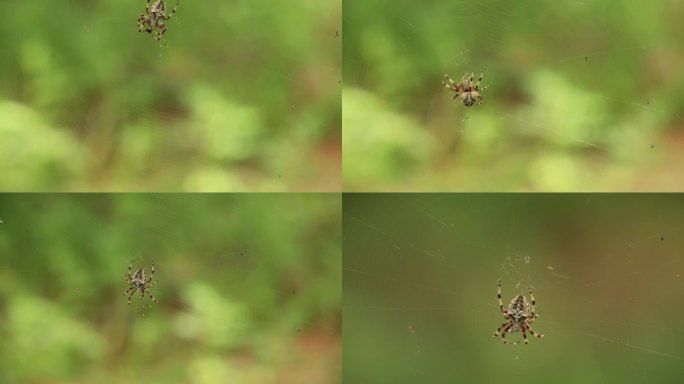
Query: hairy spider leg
x: 533, y: 302
x: 128, y: 274
x: 153, y: 283
x: 149, y: 281
x: 503, y: 335
x: 498, y: 330
x: 151, y: 297
x: 142, y: 20
x: 143, y: 23
x: 172, y: 12
x: 147, y: 288
x: 452, y: 86
x: 162, y: 30
x: 142, y: 288
x: 132, y: 291
x: 522, y: 329
x: 539, y: 335
x: 501, y: 308
x: 477, y: 85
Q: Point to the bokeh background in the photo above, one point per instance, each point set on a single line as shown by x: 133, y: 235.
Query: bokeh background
x: 420, y: 280
x: 248, y: 289
x: 237, y: 96
x: 582, y: 95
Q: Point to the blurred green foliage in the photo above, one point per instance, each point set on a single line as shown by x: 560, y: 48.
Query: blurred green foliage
x: 582, y: 95
x: 238, y: 95
x: 248, y: 288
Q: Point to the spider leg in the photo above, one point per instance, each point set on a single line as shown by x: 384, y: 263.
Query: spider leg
x: 537, y: 334
x: 477, y: 85
x: 498, y: 330
x: 142, y: 20
x: 532, y: 298
x: 131, y: 295
x: 128, y: 274
x: 501, y: 308
x: 452, y: 87
x: 503, y: 335
x: 162, y: 30
x: 172, y: 12
x: 151, y: 274
x: 151, y: 283
x: 449, y: 80
x: 522, y: 329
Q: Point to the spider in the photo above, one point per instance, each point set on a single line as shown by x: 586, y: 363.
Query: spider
x: 466, y: 89
x: 139, y: 282
x: 152, y: 20
x: 519, y: 315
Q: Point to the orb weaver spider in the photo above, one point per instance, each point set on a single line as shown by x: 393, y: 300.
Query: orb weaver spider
x: 139, y: 282
x: 467, y: 89
x: 152, y: 21
x: 519, y: 315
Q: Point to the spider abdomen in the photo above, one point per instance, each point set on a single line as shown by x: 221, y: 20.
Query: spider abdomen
x: 468, y: 99
x: 519, y: 307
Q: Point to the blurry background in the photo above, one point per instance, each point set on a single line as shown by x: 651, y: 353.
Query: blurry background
x: 420, y: 283
x: 238, y: 95
x: 248, y: 289
x: 583, y: 95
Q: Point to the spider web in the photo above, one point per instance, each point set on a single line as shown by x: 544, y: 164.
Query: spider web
x: 577, y: 110
x: 420, y: 276
x: 234, y: 288
x: 217, y: 104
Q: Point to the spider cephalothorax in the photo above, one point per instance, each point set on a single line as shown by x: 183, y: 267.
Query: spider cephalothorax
x: 139, y: 282
x: 519, y: 315
x: 467, y: 89
x: 152, y: 21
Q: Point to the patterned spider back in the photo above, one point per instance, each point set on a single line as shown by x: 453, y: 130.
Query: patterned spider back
x: 159, y: 7
x: 139, y: 277
x: 519, y: 307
